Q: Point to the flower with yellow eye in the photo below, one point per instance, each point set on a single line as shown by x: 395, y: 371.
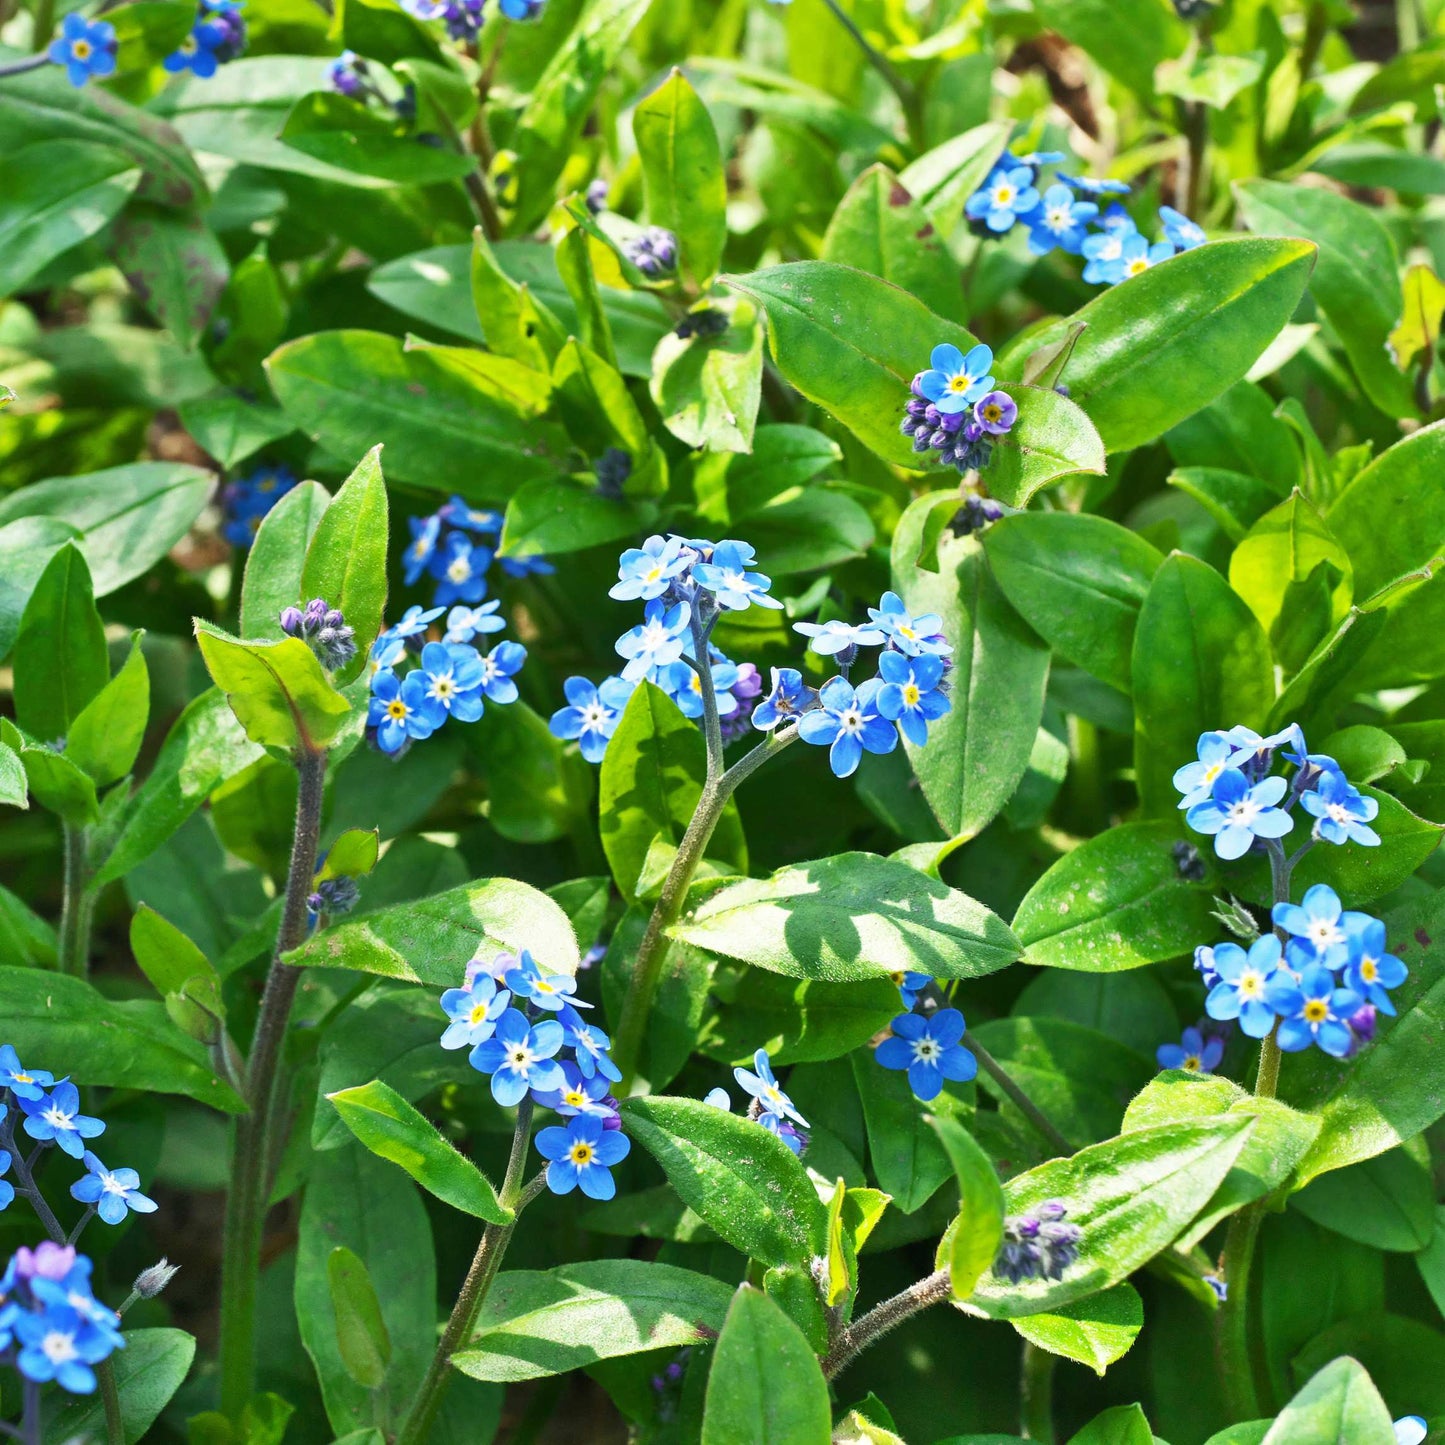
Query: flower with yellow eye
x: 473, y: 1012
x: 1314, y: 1011
x: 582, y: 1156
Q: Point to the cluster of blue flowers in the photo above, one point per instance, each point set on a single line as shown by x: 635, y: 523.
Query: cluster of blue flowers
x: 519, y: 1047
x: 455, y: 546
x: 954, y: 409
x: 52, y: 1327
x: 1231, y: 793
x: 246, y: 500
x: 217, y: 38
x: 768, y: 1104
x: 686, y: 584
x: 447, y: 679
x: 1059, y: 217
x: 1323, y: 975
x: 464, y: 18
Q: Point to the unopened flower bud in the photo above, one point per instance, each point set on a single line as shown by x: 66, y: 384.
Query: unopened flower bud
x: 150, y: 1282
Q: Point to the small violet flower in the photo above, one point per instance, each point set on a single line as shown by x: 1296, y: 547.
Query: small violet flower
x: 725, y: 574
x: 86, y: 48
x: 911, y: 694
x: 1314, y: 1011
x: 1245, y: 980
x: 550, y: 991
x: 1007, y: 194
x: 1319, y: 923
x: 648, y: 571
x: 1371, y: 970
x: 1341, y: 810
x: 656, y: 641
x: 913, y: 635
x: 762, y: 1084
x: 592, y: 714
x: 58, y: 1119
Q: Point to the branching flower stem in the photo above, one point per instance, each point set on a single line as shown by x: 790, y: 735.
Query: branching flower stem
x: 718, y: 787
x: 255, y: 1144
x: 416, y: 1429
x: 867, y: 1330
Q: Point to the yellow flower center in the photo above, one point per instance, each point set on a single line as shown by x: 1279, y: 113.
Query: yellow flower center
x: 1316, y: 1011
x: 1192, y: 1063
x: 992, y: 412
x: 580, y: 1154
x: 959, y: 383
x: 80, y: 49
x: 478, y: 1013
x: 1138, y: 264
x: 1369, y: 970
x: 911, y: 694
x: 396, y: 710
x: 459, y: 570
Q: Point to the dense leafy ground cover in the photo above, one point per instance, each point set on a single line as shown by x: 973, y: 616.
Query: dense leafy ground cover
x: 722, y: 721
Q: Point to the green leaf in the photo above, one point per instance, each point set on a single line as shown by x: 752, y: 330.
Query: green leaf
x: 431, y: 940
x: 387, y: 1125
x: 278, y: 690
x: 1356, y: 280
x: 148, y: 1372
x: 1079, y: 1077
x: 1079, y: 582
x: 796, y: 1022
x: 1360, y: 875
x: 51, y: 1018
x: 164, y: 954
x: 1120, y: 1425
x: 1128, y: 40
x: 1051, y: 438
x: 1280, y: 1138
x: 1420, y: 316
x: 272, y: 581
x: 105, y: 737
x: 173, y: 261
x: 1136, y: 369
x: 742, y: 1180
x: 850, y: 917
x: 204, y: 746
x: 352, y: 855
x: 1235, y: 500
x: 979, y: 751
x: 60, y: 786
x: 355, y: 1200
x: 1131, y: 1196
x: 44, y: 106
x: 361, y: 1337
x: 906, y: 1156
x: 708, y: 388
x: 128, y: 517
x: 1340, y: 1403
x: 561, y: 100
x: 57, y: 194
x: 973, y: 1238
x: 547, y: 1322
x: 880, y: 228
x: 348, y: 134
x: 765, y: 1385
x: 439, y: 411
x: 1118, y: 901
x: 682, y: 171
x: 60, y: 658
x: 1201, y: 660
x: 26, y: 548
x: 945, y: 177
x: 1386, y: 1202
x: 346, y: 561
x: 13, y: 788
x: 651, y: 781
x: 514, y: 323
x: 1095, y: 1331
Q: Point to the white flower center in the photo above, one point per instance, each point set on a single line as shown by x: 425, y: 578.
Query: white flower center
x: 59, y: 1347
x: 459, y: 570
x: 926, y: 1050
x: 56, y: 1117
x: 111, y: 1185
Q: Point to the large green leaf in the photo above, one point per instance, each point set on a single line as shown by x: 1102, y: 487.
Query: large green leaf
x: 852, y: 916
x: 65, y: 1025
x: 1095, y: 1331
x: 547, y: 1322
x: 205, y: 745
x: 853, y: 343
x: 106, y: 735
x: 60, y: 656
x: 1356, y: 278
x: 682, y: 170
x: 737, y: 1176
x: 174, y: 263
x: 708, y: 388
x: 128, y: 517
x: 1131, y: 1196
x: 1118, y: 901
x: 1201, y: 661
x: 348, y: 134
x: 765, y: 1385
x: 363, y: 1203
x: 346, y: 561
x: 1079, y: 582
x: 148, y: 1372
x: 57, y: 194
x: 1338, y: 1404
x: 974, y: 1237
x: 1136, y: 370
x: 387, y: 1125
x: 652, y: 777
x: 432, y: 939
x: 277, y: 690
x: 978, y: 752
x: 467, y: 416
x: 1386, y: 1202
x: 26, y: 547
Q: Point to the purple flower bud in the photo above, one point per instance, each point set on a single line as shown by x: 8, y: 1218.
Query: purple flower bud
x: 597, y: 196
x: 291, y: 621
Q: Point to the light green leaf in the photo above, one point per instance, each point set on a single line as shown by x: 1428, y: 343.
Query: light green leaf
x: 60, y: 658
x: 547, y: 1322
x: 765, y: 1385
x: 852, y: 916
x: 432, y: 940
x: 1340, y: 1403
x: 708, y: 388
x: 272, y: 580
x: 105, y: 737
x: 1095, y: 1331
x: 387, y: 1125
x: 361, y: 1337
x: 973, y: 1238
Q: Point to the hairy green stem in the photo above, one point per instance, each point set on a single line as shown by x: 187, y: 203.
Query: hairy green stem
x: 1021, y: 1100
x: 1036, y: 1394
x: 77, y: 905
x: 416, y: 1428
x: 652, y: 951
x: 851, y: 1342
x: 254, y: 1144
